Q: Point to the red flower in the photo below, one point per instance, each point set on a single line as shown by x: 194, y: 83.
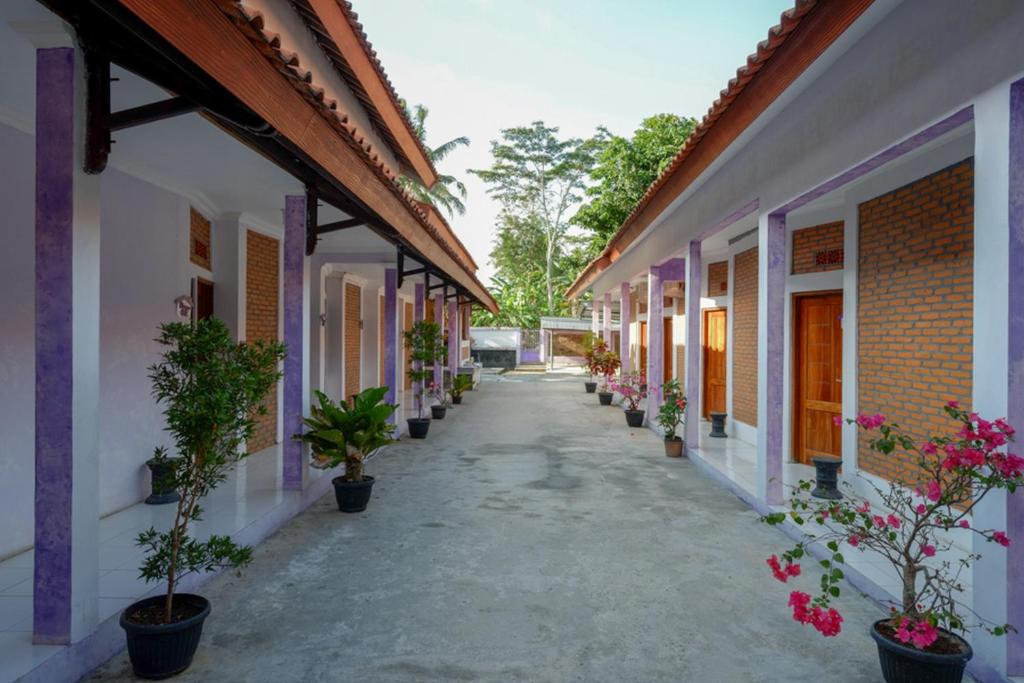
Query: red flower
x: 928, y: 550
x: 853, y: 540
x: 1001, y: 538
x: 780, y: 573
x: 894, y: 521
x: 837, y: 420
x: 934, y: 491
x: 799, y: 601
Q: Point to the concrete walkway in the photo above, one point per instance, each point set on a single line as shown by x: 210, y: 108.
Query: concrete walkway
x: 531, y: 537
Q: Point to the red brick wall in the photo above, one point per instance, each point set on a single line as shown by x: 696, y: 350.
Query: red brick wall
x: 353, y: 338
x: 261, y: 306
x: 744, y: 340
x: 915, y: 307
x: 818, y: 248
x: 718, y: 278
x: 567, y: 344
x: 200, y: 252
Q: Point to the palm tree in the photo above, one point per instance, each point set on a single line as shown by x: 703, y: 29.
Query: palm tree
x: 448, y: 192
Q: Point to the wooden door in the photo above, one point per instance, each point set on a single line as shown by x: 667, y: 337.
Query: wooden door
x: 204, y: 299
x: 407, y: 325
x: 643, y: 348
x: 714, y: 345
x: 352, y: 341
x: 818, y: 374
x: 667, y: 355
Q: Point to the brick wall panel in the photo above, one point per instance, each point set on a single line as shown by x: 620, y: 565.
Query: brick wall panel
x: 818, y: 248
x: 915, y: 307
x: 200, y: 250
x: 353, y: 338
x: 744, y: 342
x: 261, y: 319
x: 718, y: 278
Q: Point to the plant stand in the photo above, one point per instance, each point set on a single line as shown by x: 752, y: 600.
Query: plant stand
x: 718, y: 425
x: 826, y: 473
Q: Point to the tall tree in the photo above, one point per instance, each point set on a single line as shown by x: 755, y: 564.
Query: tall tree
x: 448, y: 192
x: 537, y: 174
x: 624, y: 170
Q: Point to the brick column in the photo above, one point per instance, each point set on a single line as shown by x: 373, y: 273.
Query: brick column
x: 624, y: 320
x: 391, y: 343
x: 294, y: 301
x: 655, y: 337
x: 693, y: 346
x: 67, y: 357
x: 770, y: 356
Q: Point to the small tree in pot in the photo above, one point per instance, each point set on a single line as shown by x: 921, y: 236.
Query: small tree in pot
x: 633, y: 389
x: 211, y: 388
x: 607, y: 364
x: 439, y: 392
x: 592, y: 347
x: 426, y: 344
x: 918, y: 641
x: 349, y: 433
x: 671, y: 414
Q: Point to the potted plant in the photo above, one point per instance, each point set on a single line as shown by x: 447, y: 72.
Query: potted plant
x: 607, y: 365
x: 440, y: 393
x: 919, y: 640
x: 460, y: 385
x: 349, y: 433
x: 212, y: 388
x: 592, y: 347
x: 633, y: 389
x: 671, y: 414
x: 427, y: 347
x: 161, y: 469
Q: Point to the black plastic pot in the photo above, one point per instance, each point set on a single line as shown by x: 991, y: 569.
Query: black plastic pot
x: 590, y: 386
x: 904, y: 664
x: 438, y: 412
x: 418, y: 427
x: 605, y: 397
x: 162, y: 487
x: 352, y: 496
x: 634, y: 418
x: 457, y: 400
x: 163, y: 650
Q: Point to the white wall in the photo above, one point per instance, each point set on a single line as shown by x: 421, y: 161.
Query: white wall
x: 494, y: 337
x: 17, y: 345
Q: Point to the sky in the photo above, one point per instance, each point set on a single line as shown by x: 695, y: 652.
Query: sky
x: 483, y: 65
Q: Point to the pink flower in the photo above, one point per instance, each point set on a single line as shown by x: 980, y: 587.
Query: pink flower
x: 928, y: 448
x: 903, y: 631
x: 964, y: 524
x: 782, y: 573
x: 837, y: 420
x: 928, y: 550
x: 799, y: 601
x: 894, y: 521
x: 1001, y: 538
x: 864, y: 507
x: 954, y: 404
x: 934, y: 491
x: 924, y: 634
x: 853, y: 540
x: 829, y: 623
x: 878, y: 521
x: 921, y: 508
x: 792, y: 569
x: 871, y: 421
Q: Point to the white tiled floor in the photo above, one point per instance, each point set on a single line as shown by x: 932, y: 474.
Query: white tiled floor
x: 249, y: 494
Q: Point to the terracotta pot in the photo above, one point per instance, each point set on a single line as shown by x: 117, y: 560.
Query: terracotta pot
x: 674, y: 447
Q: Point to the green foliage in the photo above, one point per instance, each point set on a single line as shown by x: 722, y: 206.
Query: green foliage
x: 538, y: 178
x: 624, y: 170
x: 672, y: 411
x: 426, y: 344
x: 448, y: 192
x: 460, y: 385
x: 211, y: 388
x: 349, y: 433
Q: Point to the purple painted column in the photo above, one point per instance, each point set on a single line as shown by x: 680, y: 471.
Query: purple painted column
x: 770, y: 410
x: 625, y: 318
x: 293, y: 289
x: 58, y: 341
x: 608, y: 320
x: 1015, y: 389
x: 391, y: 338
x: 453, y: 338
x: 418, y: 305
x: 693, y: 346
x: 439, y: 319
x: 655, y: 370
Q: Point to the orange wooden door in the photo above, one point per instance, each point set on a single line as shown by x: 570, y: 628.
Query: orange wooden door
x: 668, y: 355
x: 819, y: 376
x: 643, y: 348
x: 714, y: 360
x: 407, y: 325
x: 352, y: 342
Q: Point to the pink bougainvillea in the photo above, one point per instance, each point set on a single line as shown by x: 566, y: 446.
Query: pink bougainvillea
x: 956, y: 472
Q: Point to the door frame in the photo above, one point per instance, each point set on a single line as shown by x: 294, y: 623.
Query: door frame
x: 794, y: 380
x: 704, y: 412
